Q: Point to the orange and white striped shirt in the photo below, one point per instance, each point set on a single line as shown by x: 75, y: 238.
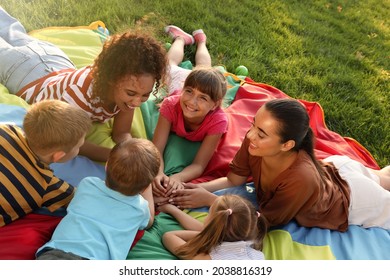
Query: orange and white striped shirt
x: 73, y: 86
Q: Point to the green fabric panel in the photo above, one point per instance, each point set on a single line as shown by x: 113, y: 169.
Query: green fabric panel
x: 179, y: 153
x: 150, y: 247
x: 278, y: 245
x: 10, y: 99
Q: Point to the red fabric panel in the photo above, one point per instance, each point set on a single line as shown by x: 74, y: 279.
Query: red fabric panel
x: 250, y: 96
x: 22, y: 238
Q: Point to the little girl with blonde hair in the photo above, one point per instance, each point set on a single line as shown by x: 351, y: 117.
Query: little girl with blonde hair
x: 233, y: 230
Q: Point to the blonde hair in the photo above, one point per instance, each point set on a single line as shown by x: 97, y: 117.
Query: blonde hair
x: 232, y: 218
x: 55, y: 125
x: 132, y: 165
x: 208, y: 80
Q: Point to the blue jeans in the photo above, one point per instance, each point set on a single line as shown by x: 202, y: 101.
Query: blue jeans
x: 24, y: 59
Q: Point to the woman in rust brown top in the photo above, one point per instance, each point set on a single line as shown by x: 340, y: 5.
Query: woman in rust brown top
x: 278, y: 153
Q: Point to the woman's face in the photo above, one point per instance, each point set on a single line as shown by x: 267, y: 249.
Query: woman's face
x: 263, y: 135
x: 195, y: 104
x: 132, y: 91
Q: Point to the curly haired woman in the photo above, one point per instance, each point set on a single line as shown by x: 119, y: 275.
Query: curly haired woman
x: 129, y: 68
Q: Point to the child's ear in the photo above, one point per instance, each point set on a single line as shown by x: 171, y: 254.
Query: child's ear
x: 217, y: 104
x: 57, y: 156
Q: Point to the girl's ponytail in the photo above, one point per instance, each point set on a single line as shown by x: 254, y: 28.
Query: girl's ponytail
x: 262, y: 229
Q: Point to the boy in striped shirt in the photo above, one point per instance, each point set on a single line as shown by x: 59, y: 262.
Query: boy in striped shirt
x: 53, y: 131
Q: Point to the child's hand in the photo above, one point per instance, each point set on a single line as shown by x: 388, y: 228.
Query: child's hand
x: 160, y: 200
x: 160, y: 184
x: 173, y: 185
x: 167, y: 208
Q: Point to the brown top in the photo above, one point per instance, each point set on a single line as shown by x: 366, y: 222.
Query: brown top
x: 298, y: 193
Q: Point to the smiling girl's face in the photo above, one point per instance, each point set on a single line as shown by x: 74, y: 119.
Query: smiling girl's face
x: 132, y: 91
x: 196, y: 104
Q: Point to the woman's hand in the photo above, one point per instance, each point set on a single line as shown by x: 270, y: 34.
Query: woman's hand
x: 192, y: 196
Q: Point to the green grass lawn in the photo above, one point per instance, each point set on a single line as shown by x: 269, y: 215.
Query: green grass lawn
x: 336, y: 53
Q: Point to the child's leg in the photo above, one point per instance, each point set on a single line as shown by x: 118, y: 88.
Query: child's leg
x: 176, y: 51
x: 177, y: 75
x: 202, y: 55
x: 384, y: 177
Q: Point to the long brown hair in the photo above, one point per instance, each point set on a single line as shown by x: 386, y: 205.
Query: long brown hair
x: 295, y: 125
x: 232, y: 218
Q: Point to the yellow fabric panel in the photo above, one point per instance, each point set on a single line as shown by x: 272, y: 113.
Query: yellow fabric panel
x: 80, y: 43
x: 10, y: 99
x: 100, y: 134
x: 278, y: 245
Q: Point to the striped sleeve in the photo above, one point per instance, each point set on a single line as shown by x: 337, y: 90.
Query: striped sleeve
x: 72, y: 86
x: 26, y: 184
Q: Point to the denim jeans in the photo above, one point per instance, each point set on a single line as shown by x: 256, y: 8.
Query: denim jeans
x: 24, y: 59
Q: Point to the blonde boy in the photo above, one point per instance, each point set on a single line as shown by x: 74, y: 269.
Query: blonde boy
x: 53, y: 131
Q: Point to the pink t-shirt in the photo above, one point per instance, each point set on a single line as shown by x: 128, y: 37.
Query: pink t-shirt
x: 215, y: 122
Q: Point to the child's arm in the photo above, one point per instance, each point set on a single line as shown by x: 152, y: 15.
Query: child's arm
x: 148, y: 195
x: 202, y: 158
x: 160, y: 139
x: 185, y: 220
x: 174, y: 239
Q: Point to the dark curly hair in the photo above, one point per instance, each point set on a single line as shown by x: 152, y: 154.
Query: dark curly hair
x: 129, y: 53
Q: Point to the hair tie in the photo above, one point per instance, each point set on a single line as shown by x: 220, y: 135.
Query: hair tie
x: 258, y: 214
x: 230, y: 211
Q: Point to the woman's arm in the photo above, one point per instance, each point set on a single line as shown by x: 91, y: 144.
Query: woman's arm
x: 120, y: 131
x: 122, y: 126
x: 94, y: 152
x: 198, y: 195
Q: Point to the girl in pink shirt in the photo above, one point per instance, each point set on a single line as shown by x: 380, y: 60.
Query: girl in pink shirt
x: 192, y: 111
x: 195, y: 114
